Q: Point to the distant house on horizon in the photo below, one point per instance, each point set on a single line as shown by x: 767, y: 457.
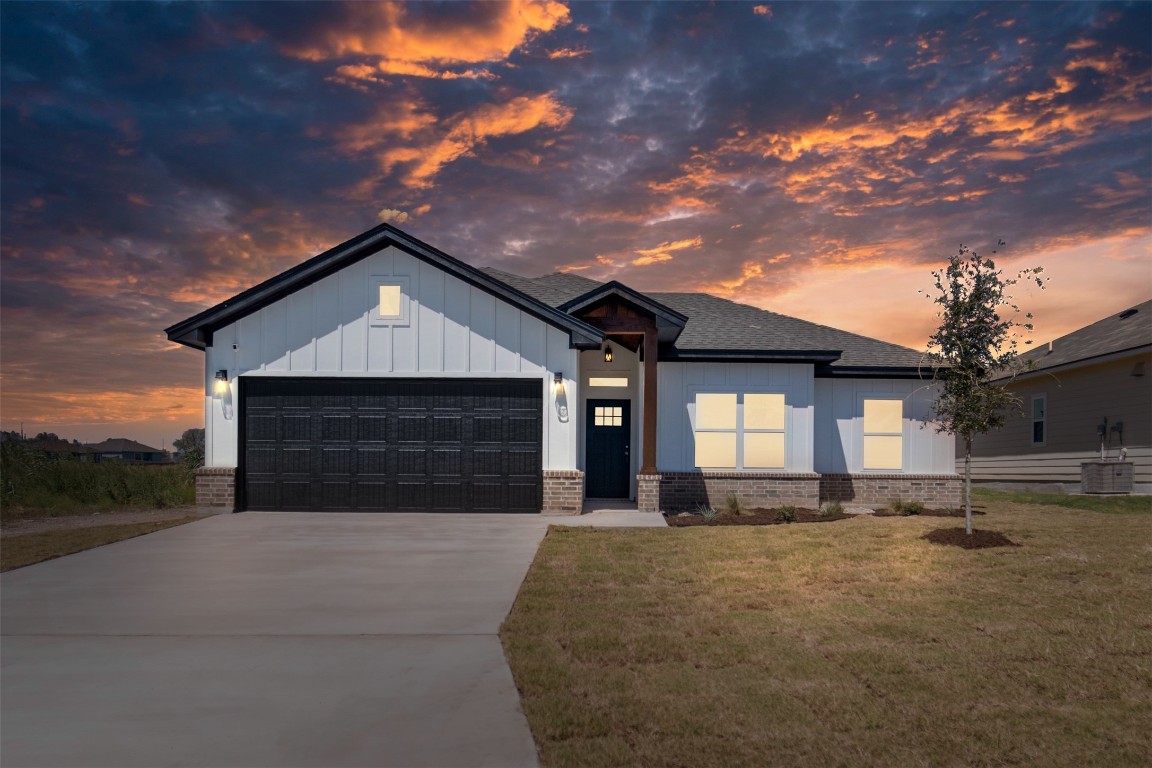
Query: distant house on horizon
x: 123, y: 449
x: 62, y: 449
x: 1089, y: 392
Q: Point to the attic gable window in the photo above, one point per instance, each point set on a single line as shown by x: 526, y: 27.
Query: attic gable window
x: 390, y: 299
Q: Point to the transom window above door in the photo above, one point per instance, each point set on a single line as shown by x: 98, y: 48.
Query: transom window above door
x: 608, y: 416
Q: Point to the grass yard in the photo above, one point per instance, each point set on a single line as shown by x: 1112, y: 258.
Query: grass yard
x: 29, y: 548
x: 853, y: 643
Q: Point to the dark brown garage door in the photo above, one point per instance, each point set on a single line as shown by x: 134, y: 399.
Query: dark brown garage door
x: 391, y: 445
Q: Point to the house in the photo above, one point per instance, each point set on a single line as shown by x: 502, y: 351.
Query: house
x: 62, y: 449
x: 384, y: 374
x: 1086, y: 395
x: 123, y: 449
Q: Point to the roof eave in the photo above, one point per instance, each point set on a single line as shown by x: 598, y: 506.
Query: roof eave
x: 921, y: 372
x: 816, y: 357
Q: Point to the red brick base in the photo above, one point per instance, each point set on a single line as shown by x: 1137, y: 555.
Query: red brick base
x: 876, y: 490
x: 216, y: 487
x: 563, y: 491
x: 686, y: 490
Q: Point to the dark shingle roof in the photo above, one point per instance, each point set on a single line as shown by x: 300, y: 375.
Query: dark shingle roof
x: 716, y: 324
x: 1115, y: 333
x: 122, y: 445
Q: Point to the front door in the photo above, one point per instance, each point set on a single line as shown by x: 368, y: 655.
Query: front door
x: 608, y: 460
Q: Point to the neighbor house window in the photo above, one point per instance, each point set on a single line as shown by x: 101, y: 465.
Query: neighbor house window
x: 739, y: 431
x: 1039, y: 419
x: 883, y: 434
x: 390, y: 300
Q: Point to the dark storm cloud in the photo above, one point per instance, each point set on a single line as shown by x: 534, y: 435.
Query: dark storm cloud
x: 158, y: 158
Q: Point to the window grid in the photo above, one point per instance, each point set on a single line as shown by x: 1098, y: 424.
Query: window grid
x: 608, y: 416
x: 883, y: 434
x: 739, y: 446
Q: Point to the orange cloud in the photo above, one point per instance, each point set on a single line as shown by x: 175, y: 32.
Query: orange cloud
x: 568, y: 53
x: 432, y: 148
x: 409, y: 43
x: 663, y: 252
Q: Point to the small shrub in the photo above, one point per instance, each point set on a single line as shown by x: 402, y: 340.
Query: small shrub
x: 706, y: 512
x: 831, y: 508
x: 733, y: 505
x: 787, y: 513
x: 896, y: 506
x: 912, y: 508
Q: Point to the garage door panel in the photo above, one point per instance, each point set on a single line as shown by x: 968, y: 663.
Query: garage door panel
x: 392, y: 444
x: 371, y: 462
x: 411, y: 461
x: 336, y: 461
x: 371, y: 428
x: 336, y: 428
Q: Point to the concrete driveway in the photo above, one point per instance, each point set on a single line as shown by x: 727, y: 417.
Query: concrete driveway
x: 273, y: 639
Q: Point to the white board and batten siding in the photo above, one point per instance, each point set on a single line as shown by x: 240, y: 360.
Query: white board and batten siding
x: 839, y: 429
x: 679, y: 383
x: 452, y: 329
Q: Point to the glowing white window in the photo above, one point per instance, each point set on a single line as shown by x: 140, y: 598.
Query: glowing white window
x: 740, y: 431
x: 608, y: 381
x: 389, y: 306
x: 883, y: 434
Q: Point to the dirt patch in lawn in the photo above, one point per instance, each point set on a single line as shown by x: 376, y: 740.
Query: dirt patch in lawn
x: 956, y: 537
x: 47, y: 523
x: 758, y: 516
x: 926, y: 513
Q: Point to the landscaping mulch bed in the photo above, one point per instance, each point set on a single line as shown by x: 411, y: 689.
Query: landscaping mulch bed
x: 978, y: 539
x: 927, y: 513
x: 757, y: 516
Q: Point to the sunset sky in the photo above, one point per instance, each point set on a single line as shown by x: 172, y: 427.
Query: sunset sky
x: 814, y: 159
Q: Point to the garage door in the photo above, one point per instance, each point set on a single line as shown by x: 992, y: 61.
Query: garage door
x: 402, y: 445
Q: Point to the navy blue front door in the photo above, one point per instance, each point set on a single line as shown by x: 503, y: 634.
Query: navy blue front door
x: 607, y: 460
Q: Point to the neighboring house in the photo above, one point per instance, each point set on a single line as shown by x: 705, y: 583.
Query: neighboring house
x: 62, y: 449
x: 384, y: 374
x: 123, y: 449
x: 1088, y: 391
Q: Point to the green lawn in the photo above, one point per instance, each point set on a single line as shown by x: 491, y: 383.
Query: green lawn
x: 847, y: 643
x: 1114, y: 504
x: 26, y: 549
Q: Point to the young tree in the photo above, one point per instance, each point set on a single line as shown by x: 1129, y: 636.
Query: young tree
x: 975, y: 349
x: 191, y: 448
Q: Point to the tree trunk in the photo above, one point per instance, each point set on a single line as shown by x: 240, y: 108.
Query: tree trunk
x: 968, y: 484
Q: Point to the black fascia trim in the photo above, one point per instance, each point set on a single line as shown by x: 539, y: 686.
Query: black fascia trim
x: 196, y: 331
x: 923, y: 373
x: 749, y: 356
x: 615, y: 288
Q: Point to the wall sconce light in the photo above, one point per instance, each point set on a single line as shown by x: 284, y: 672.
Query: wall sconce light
x: 607, y: 353
x: 558, y: 382
x: 221, y: 385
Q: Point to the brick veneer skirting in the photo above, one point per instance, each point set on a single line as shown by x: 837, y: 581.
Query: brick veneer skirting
x: 216, y: 487
x: 563, y: 491
x: 933, y: 490
x: 684, y: 490
x: 648, y: 493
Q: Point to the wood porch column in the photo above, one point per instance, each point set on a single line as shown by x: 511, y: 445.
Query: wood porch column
x: 648, y: 463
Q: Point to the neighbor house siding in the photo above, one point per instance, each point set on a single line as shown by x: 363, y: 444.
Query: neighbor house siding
x: 451, y: 329
x: 680, y: 382
x: 1078, y: 400
x: 839, y: 428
